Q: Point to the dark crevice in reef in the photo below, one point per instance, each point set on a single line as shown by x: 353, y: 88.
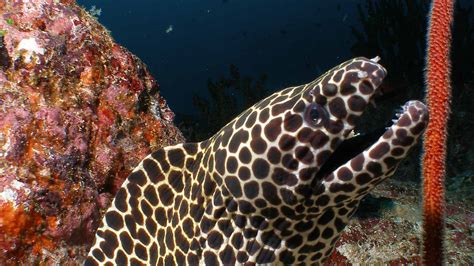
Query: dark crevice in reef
x: 371, y: 206
x: 5, y: 60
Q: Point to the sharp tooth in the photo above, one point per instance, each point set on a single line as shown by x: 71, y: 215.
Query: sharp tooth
x: 352, y: 134
x: 394, y: 121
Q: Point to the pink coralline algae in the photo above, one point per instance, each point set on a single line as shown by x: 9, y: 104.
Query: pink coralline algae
x: 77, y: 113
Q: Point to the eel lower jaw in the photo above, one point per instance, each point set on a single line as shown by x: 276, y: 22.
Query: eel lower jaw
x: 385, y: 146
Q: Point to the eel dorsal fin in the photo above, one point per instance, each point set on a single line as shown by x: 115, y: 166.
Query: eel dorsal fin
x: 158, y: 206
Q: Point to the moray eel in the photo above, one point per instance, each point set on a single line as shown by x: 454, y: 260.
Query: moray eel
x: 254, y: 193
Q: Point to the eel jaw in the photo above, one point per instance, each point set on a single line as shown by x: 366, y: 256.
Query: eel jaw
x: 380, y: 160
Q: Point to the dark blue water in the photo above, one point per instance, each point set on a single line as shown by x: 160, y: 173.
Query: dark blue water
x: 292, y: 42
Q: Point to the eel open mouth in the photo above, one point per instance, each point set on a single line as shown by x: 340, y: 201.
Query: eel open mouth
x: 386, y: 146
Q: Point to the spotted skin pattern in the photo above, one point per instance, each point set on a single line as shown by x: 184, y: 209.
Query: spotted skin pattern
x: 251, y: 194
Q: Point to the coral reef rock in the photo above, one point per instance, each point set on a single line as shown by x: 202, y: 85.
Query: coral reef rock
x: 387, y: 229
x: 77, y: 113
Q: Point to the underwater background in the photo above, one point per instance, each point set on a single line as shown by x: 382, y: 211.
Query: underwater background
x: 189, y: 42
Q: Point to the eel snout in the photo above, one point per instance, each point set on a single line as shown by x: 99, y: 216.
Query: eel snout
x: 384, y: 155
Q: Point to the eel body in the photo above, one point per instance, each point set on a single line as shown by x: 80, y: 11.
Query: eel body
x: 254, y: 193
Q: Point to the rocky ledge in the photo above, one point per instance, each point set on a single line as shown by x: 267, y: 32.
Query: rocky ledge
x: 77, y: 113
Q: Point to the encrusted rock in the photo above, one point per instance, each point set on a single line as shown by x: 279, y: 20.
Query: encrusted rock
x: 389, y: 232
x: 77, y: 113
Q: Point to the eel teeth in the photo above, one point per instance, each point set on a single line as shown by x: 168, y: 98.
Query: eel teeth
x: 400, y: 112
x: 353, y: 134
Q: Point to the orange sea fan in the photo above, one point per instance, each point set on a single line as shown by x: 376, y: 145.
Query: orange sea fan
x: 437, y: 75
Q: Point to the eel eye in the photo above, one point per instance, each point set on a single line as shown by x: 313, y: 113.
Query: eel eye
x: 316, y: 115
